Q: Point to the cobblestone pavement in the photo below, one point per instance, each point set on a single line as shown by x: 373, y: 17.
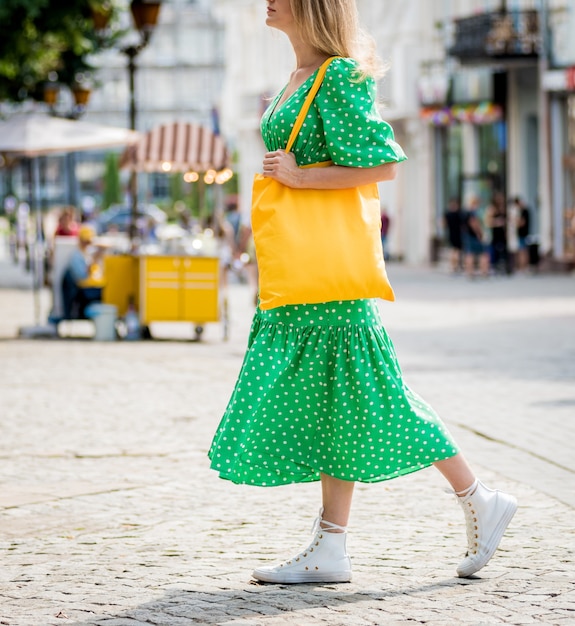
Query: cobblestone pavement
x: 109, y: 514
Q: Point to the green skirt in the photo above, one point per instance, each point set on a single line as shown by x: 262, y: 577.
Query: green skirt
x: 321, y: 391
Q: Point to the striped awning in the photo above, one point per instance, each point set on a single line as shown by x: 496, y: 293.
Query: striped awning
x: 177, y: 147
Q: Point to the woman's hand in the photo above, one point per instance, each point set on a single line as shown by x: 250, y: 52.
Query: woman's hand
x: 282, y: 166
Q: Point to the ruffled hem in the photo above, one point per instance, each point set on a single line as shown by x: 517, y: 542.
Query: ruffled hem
x: 316, y: 397
x: 240, y: 476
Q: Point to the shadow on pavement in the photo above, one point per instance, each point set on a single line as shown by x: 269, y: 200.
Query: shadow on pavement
x: 261, y: 600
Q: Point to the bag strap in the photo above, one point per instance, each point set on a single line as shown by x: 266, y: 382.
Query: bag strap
x: 307, y: 102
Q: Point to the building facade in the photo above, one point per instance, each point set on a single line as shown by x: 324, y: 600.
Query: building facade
x: 178, y: 78
x: 480, y: 95
x: 558, y: 91
x: 502, y: 120
x: 179, y: 74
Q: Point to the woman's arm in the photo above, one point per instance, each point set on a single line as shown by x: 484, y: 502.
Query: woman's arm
x: 281, y: 166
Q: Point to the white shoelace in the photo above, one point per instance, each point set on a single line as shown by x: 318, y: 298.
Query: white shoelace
x: 316, y: 528
x: 470, y: 521
x: 461, y: 495
x: 469, y: 491
x: 328, y: 526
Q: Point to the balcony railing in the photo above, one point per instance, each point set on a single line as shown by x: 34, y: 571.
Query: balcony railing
x: 497, y: 35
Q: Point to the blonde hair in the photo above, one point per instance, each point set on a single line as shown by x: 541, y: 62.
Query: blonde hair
x: 332, y: 28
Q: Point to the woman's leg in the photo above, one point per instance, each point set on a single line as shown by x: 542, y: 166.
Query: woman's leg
x: 325, y: 559
x: 457, y: 472
x: 336, y: 499
x: 484, y: 264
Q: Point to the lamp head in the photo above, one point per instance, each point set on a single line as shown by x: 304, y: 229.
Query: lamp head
x: 145, y: 14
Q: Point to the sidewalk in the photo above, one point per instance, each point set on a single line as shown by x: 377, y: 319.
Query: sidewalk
x: 110, y: 516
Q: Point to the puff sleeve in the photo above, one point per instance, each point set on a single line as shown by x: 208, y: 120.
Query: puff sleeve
x: 355, y: 134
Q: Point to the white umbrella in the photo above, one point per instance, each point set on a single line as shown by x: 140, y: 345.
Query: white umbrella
x: 32, y: 135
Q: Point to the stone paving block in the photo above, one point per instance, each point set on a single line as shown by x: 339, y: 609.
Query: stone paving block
x: 109, y: 514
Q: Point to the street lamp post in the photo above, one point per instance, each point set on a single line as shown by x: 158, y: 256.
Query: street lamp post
x: 81, y: 96
x: 145, y: 15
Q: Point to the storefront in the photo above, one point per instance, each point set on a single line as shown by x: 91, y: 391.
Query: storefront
x: 487, y: 122
x: 479, y: 135
x: 470, y: 138
x: 561, y: 87
x: 559, y: 84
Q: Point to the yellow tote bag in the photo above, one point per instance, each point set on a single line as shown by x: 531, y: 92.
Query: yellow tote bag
x: 317, y: 245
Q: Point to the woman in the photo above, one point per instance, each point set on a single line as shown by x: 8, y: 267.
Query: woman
x: 496, y: 221
x: 453, y: 219
x: 320, y: 395
x: 67, y: 225
x: 476, y: 251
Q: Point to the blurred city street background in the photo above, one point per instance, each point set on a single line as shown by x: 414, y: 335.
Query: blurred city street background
x: 129, y: 137
x: 109, y: 514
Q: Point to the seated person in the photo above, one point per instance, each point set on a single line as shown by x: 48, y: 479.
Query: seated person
x: 67, y: 225
x: 82, y: 281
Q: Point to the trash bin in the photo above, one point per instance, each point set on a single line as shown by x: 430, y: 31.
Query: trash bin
x: 104, y: 317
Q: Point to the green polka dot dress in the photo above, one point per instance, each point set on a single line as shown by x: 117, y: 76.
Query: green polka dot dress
x: 320, y: 389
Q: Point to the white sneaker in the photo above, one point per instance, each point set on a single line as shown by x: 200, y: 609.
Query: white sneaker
x: 325, y: 560
x: 487, y: 515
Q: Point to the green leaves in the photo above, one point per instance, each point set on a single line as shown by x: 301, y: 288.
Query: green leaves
x: 39, y: 37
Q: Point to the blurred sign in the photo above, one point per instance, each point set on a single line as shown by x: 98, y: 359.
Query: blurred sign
x: 559, y: 80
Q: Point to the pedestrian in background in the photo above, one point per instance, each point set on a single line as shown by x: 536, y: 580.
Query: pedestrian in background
x: 67, y: 225
x: 522, y: 232
x: 476, y: 250
x: 496, y: 222
x: 23, y: 234
x: 321, y: 395
x: 513, y: 216
x: 84, y: 264
x: 453, y: 221
x: 385, y: 224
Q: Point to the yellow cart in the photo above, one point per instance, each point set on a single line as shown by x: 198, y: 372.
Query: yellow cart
x: 167, y: 289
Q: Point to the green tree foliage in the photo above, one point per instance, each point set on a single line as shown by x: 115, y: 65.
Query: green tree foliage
x: 112, y: 188
x: 176, y: 187
x: 38, y: 37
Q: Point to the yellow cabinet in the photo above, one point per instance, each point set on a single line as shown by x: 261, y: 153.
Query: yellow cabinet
x: 160, y: 287
x: 179, y: 289
x: 122, y: 282
x: 200, y: 278
x: 166, y: 289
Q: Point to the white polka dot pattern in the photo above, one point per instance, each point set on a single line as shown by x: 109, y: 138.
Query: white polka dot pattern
x: 320, y: 390
x: 343, y: 125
